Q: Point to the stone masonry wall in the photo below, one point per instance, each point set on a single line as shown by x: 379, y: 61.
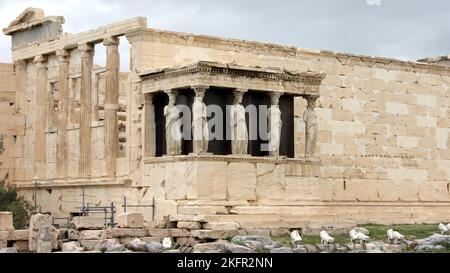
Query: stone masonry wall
x: 8, y: 128
x: 383, y: 129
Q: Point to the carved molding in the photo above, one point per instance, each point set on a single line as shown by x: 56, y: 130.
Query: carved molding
x: 310, y: 78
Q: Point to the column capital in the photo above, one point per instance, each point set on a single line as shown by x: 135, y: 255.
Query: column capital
x: 21, y: 62
x: 200, y: 90
x: 240, y: 90
x: 40, y: 60
x: 63, y: 55
x: 111, y: 41
x: 275, y: 97
x: 86, y: 49
x: 311, y: 101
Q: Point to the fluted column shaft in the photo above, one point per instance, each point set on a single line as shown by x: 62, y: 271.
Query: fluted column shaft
x: 112, y: 104
x: 149, y: 125
x: 86, y: 51
x: 40, y: 119
x: 63, y: 112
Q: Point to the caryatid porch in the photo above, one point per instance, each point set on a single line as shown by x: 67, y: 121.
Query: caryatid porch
x: 202, y: 85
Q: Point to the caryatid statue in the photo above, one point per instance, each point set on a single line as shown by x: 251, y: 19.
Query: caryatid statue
x: 173, y: 126
x: 239, y: 140
x: 311, y: 126
x: 200, y: 128
x: 275, y: 124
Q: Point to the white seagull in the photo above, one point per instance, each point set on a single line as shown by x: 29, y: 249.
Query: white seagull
x: 167, y: 243
x: 442, y: 228
x: 325, y: 238
x: 296, y: 238
x: 448, y: 226
x: 358, y: 236
x: 394, y: 236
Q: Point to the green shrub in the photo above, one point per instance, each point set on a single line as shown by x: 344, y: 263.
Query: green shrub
x: 11, y: 201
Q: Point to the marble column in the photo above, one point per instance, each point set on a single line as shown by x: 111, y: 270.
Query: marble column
x: 87, y: 53
x: 239, y: 131
x: 173, y: 125
x: 63, y: 114
x: 40, y: 119
x: 275, y: 124
x: 311, y: 126
x: 200, y: 129
x: 112, y: 104
x: 149, y: 125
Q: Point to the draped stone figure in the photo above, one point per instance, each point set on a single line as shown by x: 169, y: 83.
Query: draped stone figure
x: 200, y: 125
x: 173, y: 126
x: 275, y: 124
x: 239, y: 143
x: 311, y: 126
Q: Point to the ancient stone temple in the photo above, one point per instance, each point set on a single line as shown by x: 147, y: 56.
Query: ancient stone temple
x: 343, y: 139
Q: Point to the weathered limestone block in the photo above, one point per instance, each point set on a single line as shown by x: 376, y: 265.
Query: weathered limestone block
x: 158, y: 232
x: 130, y: 220
x: 212, y: 180
x: 241, y: 181
x: 218, y: 247
x: 164, y: 208
x: 6, y: 221
x: 308, y: 188
x: 38, y: 220
x: 42, y: 235
x: 126, y: 232
x: 19, y: 235
x: 71, y: 247
x: 92, y: 234
x: 203, y: 210
x: 221, y: 226
x: 176, y: 184
x: 73, y: 234
x: 213, y: 234
x: 408, y: 191
x: 44, y: 239
x: 88, y: 222
x: 271, y: 181
x: 189, y: 225
x: 186, y: 218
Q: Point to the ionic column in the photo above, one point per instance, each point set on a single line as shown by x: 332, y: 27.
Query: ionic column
x: 239, y: 132
x: 63, y: 113
x: 199, y: 121
x: 87, y: 53
x: 311, y: 126
x: 149, y: 125
x: 112, y: 103
x: 275, y: 124
x: 40, y: 119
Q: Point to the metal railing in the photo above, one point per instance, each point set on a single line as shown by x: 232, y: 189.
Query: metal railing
x: 126, y: 205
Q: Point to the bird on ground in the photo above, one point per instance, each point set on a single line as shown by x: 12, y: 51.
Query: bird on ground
x: 442, y: 228
x: 296, y: 238
x: 395, y: 236
x: 167, y: 243
x: 325, y: 238
x: 356, y: 236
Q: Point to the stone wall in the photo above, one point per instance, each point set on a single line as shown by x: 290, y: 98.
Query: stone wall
x: 383, y: 128
x: 8, y: 127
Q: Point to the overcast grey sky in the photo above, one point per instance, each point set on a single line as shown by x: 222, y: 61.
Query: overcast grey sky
x: 404, y: 29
